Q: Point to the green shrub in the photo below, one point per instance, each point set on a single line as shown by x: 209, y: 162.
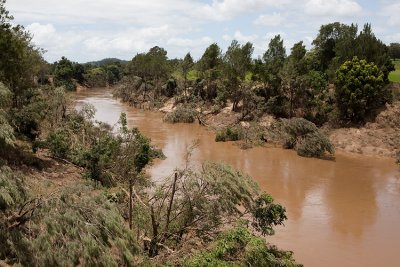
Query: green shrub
x: 360, y: 89
x: 239, y: 247
x: 12, y: 191
x: 302, y: 136
x: 59, y: 144
x: 75, y: 228
x: 229, y: 134
x: 183, y: 113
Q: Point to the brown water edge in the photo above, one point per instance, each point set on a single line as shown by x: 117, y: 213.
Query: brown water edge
x: 341, y: 213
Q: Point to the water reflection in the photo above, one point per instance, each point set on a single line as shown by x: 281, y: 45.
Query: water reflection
x: 341, y: 213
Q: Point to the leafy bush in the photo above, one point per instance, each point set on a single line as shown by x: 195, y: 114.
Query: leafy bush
x: 183, y: 113
x: 360, y: 89
x: 12, y: 191
x: 59, y: 144
x: 74, y: 228
x: 239, y: 247
x: 229, y: 134
x: 302, y: 136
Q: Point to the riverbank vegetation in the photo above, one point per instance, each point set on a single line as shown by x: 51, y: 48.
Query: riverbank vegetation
x: 342, y: 81
x: 74, y: 192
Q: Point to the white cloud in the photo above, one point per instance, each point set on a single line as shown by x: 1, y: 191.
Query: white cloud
x: 228, y: 9
x: 274, y: 19
x: 245, y: 38
x: 57, y: 44
x: 393, y: 12
x: 93, y: 29
x: 332, y: 8
x: 189, y: 43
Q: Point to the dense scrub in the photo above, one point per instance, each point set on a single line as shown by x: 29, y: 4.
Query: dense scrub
x: 68, y: 229
x: 182, y: 113
x: 302, y: 136
x: 239, y: 247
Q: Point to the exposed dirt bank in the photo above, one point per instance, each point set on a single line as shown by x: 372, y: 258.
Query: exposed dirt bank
x: 52, y: 176
x: 379, y: 138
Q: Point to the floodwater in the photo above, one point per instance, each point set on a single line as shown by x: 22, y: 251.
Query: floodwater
x: 344, y: 212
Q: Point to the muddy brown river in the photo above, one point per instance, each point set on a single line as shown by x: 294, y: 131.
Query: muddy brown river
x: 344, y: 212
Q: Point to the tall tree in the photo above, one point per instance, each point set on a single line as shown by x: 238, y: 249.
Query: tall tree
x: 274, y: 59
x: 237, y: 61
x: 186, y: 66
x: 272, y: 64
x: 20, y: 60
x: 372, y: 49
x: 291, y: 75
x: 335, y: 40
x: 64, y: 73
x: 394, y: 50
x: 209, y: 66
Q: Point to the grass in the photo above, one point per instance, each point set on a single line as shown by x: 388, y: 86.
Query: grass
x: 394, y: 76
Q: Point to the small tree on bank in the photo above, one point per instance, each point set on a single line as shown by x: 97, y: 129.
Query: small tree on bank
x: 360, y: 89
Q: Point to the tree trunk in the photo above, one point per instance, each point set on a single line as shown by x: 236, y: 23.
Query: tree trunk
x: 171, y: 202
x: 130, y: 202
x: 153, y: 249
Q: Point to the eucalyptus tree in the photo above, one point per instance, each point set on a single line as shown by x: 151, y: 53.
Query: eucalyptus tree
x: 186, y: 65
x: 237, y: 61
x: 20, y: 60
x: 209, y: 67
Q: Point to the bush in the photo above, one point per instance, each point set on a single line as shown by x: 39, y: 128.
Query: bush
x: 360, y: 89
x: 74, y: 228
x: 183, y: 113
x: 229, y: 134
x: 59, y: 144
x: 302, y: 136
x: 12, y: 190
x: 239, y: 247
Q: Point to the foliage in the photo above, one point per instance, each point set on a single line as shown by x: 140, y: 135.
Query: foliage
x: 359, y: 90
x: 332, y: 44
x: 301, y: 135
x: 209, y: 67
x: 73, y: 228
x: 337, y: 43
x: 267, y: 70
x: 64, y: 73
x: 20, y: 60
x: 96, y: 77
x: 58, y: 144
x: 267, y: 214
x: 186, y: 65
x: 239, y: 247
x: 47, y: 104
x: 196, y: 204
x: 316, y: 100
x: 229, y: 134
x: 100, y: 150
x: 394, y: 50
x: 274, y: 59
x: 12, y: 190
x: 237, y: 61
x: 6, y: 130
x: 182, y: 113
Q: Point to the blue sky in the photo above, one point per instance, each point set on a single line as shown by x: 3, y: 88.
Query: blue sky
x: 95, y: 29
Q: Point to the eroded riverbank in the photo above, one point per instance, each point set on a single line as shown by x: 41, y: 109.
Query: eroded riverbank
x: 341, y: 213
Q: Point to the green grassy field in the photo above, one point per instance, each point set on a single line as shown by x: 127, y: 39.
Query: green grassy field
x: 394, y: 76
